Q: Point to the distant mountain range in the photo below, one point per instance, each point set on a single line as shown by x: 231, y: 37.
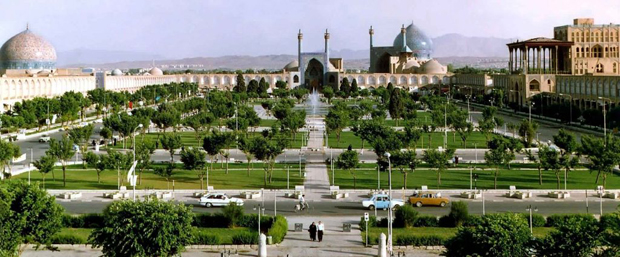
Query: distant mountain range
x: 450, y: 48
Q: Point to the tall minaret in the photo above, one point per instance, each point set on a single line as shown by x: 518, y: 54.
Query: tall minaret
x: 300, y: 67
x: 326, y: 66
x: 404, y: 33
x: 371, y: 32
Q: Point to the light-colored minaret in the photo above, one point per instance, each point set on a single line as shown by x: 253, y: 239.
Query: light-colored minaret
x: 326, y: 65
x: 371, y: 32
x: 300, y: 65
x: 404, y: 33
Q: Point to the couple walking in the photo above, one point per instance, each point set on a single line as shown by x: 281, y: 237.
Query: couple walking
x: 314, y: 229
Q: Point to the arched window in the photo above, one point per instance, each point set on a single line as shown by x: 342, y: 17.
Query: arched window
x: 597, y: 51
x: 599, y: 68
x: 332, y: 78
x: 615, y: 67
x: 534, y: 85
x: 295, y: 79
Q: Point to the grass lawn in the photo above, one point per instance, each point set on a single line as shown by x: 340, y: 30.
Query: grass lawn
x: 445, y: 233
x: 459, y: 179
x: 188, y: 138
x: 226, y: 234
x: 476, y: 139
x: 78, y: 178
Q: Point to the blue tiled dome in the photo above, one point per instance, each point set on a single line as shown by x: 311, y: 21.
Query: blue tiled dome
x: 420, y: 44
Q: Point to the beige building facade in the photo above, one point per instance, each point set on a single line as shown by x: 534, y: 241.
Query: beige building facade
x: 580, y: 63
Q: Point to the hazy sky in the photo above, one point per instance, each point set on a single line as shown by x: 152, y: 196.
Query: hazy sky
x: 193, y: 28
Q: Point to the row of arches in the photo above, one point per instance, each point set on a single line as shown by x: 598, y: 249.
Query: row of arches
x: 228, y: 79
x: 398, y: 80
x: 28, y: 88
x: 133, y: 83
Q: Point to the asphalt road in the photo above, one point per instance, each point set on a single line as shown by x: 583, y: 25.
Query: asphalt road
x: 329, y: 208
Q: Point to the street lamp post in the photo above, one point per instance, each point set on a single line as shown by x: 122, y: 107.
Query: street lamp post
x: 133, y: 141
x: 604, y: 99
x: 389, y: 239
x: 530, y: 106
x: 530, y: 209
x: 260, y: 208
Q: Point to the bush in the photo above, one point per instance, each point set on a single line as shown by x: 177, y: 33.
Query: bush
x: 458, y: 213
x: 537, y: 219
x: 610, y: 220
x: 245, y: 238
x: 89, y: 220
x: 207, y: 220
x: 70, y: 221
x: 67, y: 239
x: 233, y: 214
x: 557, y: 220
x: 426, y: 221
x: 278, y: 229
x: 205, y: 238
x: 372, y: 222
x: 415, y: 240
x: 473, y: 220
x: 405, y: 217
x: 93, y: 220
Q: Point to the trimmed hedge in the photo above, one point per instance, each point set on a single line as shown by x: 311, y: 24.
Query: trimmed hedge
x: 67, y: 239
x: 206, y: 238
x: 537, y: 219
x: 426, y: 221
x: 278, y: 229
x: 208, y: 220
x: 556, y: 220
x: 89, y: 220
x: 414, y: 240
x: 245, y: 238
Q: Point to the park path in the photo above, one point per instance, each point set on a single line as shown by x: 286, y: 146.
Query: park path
x: 317, y: 181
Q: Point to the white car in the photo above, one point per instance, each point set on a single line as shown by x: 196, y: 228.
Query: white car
x: 44, y: 139
x: 219, y: 199
x: 381, y: 201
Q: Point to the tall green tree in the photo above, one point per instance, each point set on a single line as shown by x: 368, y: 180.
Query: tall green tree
x: 171, y: 142
x: 603, y: 156
x: 532, y: 158
x: 45, y: 165
x: 396, y: 106
x: 349, y: 161
x: 501, y: 152
x: 8, y: 151
x: 80, y: 137
x: 406, y: 162
x: 144, y: 150
x: 62, y: 150
x: 328, y: 93
x: 438, y: 160
x: 28, y: 215
x: 165, y: 172
x: 527, y: 131
x: 246, y: 145
x: 568, y: 145
x: 96, y: 162
x: 194, y: 159
x: 144, y: 228
x: 337, y: 119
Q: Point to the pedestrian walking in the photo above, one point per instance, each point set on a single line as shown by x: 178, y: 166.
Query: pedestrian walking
x: 320, y: 228
x: 312, y: 231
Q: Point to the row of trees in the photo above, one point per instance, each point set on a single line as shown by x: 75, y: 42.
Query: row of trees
x: 71, y: 105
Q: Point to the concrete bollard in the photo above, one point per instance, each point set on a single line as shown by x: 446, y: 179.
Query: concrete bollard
x: 382, y: 250
x: 262, y: 246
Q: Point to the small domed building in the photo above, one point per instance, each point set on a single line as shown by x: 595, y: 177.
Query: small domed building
x: 27, y: 51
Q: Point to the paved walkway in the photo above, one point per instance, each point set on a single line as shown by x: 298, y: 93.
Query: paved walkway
x: 317, y: 180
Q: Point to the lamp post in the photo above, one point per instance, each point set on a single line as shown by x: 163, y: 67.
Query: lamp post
x: 134, y: 140
x: 389, y: 239
x: 571, y: 106
x: 604, y: 99
x: 531, y: 209
x: 260, y: 208
x: 475, y: 176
